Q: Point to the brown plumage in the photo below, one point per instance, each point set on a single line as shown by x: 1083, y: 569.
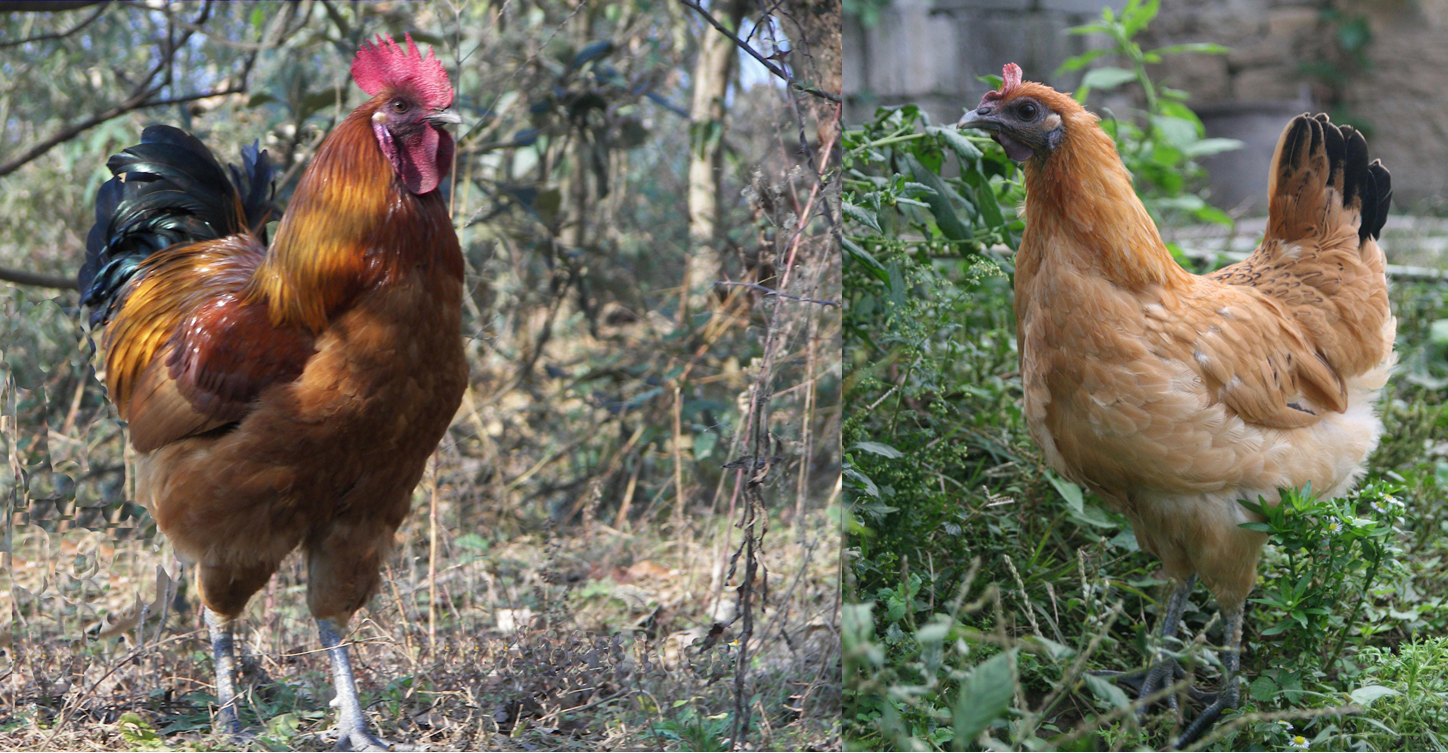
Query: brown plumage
x: 1173, y: 395
x: 290, y: 395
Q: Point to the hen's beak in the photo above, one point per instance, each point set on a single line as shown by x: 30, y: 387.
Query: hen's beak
x: 445, y: 117
x: 1019, y: 146
x: 983, y: 121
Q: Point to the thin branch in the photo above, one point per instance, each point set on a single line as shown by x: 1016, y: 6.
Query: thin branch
x: 130, y: 105
x: 141, y: 98
x: 21, y: 277
x: 59, y: 35
x: 45, y: 6
x: 773, y: 292
x: 771, y: 67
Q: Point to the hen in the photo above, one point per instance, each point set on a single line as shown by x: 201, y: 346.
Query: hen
x: 286, y: 395
x: 1173, y: 395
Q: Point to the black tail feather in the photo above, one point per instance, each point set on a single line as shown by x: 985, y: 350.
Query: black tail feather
x: 1377, y: 201
x: 168, y: 189
x: 1366, y: 186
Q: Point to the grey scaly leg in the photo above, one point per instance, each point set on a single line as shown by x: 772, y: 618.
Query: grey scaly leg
x: 352, y: 731
x: 1227, y: 696
x: 222, y: 652
x: 1164, y: 669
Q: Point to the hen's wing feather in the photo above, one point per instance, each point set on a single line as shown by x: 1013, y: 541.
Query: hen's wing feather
x: 1311, y: 301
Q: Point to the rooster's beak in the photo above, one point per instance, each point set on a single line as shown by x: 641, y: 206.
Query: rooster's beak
x: 445, y: 117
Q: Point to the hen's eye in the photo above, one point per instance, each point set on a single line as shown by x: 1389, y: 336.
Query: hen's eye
x: 1028, y: 111
x: 399, y: 105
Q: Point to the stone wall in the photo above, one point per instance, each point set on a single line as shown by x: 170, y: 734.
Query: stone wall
x: 930, y: 52
x: 1403, y: 95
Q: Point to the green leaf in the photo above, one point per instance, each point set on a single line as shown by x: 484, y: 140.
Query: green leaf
x: 877, y: 448
x: 1125, y: 540
x: 1204, y: 147
x: 858, y: 252
x: 934, y: 631
x: 1179, y: 132
x: 985, y: 198
x: 136, y: 731
x: 857, y: 633
x: 966, y: 151
x: 862, y: 482
x: 1057, y: 651
x: 1142, y: 16
x: 1080, y: 61
x: 1069, y: 491
x: 1438, y: 332
x: 1263, y: 689
x: 471, y: 541
x: 1207, y: 48
x: 863, y: 216
x: 940, y: 204
x: 984, y: 696
x: 911, y: 188
x: 1106, y: 78
x: 1092, y: 515
x: 1114, y: 696
x: 1369, y: 693
x: 1213, y: 215
x: 704, y: 444
x: 1090, y: 28
x: 1179, y: 110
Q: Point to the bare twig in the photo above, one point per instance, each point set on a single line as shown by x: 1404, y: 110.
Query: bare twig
x: 773, y: 292
x: 58, y: 35
x: 771, y: 67
x: 140, y: 102
x: 45, y: 6
x: 21, y: 277
x: 141, y: 98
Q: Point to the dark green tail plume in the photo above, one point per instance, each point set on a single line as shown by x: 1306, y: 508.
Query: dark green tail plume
x: 168, y: 189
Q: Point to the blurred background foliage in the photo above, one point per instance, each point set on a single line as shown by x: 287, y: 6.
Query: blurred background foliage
x: 616, y: 162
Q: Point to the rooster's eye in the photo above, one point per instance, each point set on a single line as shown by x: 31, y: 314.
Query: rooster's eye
x: 399, y: 105
x: 1028, y: 111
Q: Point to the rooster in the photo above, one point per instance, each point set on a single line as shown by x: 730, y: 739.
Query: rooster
x: 289, y: 394
x: 1172, y: 395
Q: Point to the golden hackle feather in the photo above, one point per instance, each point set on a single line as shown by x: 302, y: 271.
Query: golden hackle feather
x: 346, y: 204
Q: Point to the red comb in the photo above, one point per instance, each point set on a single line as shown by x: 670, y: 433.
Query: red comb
x: 1010, y: 79
x: 383, y: 63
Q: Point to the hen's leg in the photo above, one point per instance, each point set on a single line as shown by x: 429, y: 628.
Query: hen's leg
x: 352, y: 733
x: 1227, y: 696
x: 1164, y: 669
x: 222, y: 651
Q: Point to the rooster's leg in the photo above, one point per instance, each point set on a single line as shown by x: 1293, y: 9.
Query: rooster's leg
x: 1164, y: 669
x: 352, y: 731
x: 1227, y: 696
x: 222, y: 651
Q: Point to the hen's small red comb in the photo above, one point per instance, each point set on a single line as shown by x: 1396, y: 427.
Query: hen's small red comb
x: 383, y: 63
x: 1010, y: 79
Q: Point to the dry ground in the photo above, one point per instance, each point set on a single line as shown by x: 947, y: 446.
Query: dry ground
x: 590, y: 638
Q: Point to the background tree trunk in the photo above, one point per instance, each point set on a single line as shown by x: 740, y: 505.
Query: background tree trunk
x: 712, y: 71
